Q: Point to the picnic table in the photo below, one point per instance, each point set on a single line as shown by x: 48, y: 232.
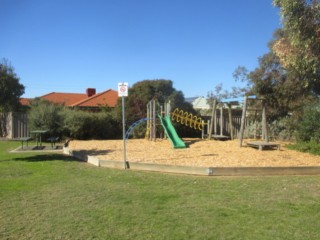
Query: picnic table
x: 53, y: 141
x: 38, y: 134
x: 23, y: 140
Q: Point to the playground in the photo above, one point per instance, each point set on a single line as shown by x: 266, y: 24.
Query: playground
x: 198, y: 153
x: 194, y: 152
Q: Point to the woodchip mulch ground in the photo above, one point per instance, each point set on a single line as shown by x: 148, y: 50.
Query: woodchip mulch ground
x: 204, y: 153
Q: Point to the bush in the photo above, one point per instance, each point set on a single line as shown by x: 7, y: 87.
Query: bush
x: 87, y: 125
x: 309, y: 147
x: 65, y: 122
x: 309, y: 127
x: 45, y: 115
x: 283, y: 129
x: 253, y: 130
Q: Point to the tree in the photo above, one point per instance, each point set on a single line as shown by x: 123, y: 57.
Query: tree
x: 142, y: 92
x: 282, y: 88
x: 299, y: 47
x: 283, y: 91
x: 309, y: 126
x: 10, y: 88
x: 10, y: 92
x: 46, y: 115
x: 288, y: 76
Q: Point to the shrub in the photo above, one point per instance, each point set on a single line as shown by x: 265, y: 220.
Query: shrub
x: 283, y: 129
x: 309, y: 126
x: 253, y: 130
x: 310, y: 147
x: 87, y: 125
x: 65, y: 122
x: 46, y: 116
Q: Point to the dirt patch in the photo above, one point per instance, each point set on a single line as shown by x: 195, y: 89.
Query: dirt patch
x: 204, y: 153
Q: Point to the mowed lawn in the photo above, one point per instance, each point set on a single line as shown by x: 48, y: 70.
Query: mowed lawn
x: 52, y: 196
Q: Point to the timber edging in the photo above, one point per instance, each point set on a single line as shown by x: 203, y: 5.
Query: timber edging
x: 204, y: 171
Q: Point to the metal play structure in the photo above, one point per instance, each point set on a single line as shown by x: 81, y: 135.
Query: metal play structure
x: 135, y: 124
x: 154, y: 112
x: 187, y: 119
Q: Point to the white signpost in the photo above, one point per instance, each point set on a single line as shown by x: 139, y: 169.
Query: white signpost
x: 123, y: 92
x: 123, y: 89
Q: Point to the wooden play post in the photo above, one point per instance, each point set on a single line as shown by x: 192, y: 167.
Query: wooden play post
x: 264, y: 122
x: 214, y: 106
x: 167, y: 111
x: 207, y: 128
x: 221, y: 120
x: 264, y: 136
x: 147, y: 136
x: 151, y: 122
x: 243, y: 118
x: 230, y: 121
x: 202, y: 130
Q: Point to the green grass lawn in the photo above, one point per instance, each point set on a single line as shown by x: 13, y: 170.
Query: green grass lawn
x: 52, y: 196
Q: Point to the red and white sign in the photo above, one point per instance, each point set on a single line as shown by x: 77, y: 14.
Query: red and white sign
x: 123, y: 89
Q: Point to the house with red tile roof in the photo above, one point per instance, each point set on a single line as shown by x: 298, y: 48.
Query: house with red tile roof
x: 88, y: 100
x: 25, y: 101
x: 17, y: 123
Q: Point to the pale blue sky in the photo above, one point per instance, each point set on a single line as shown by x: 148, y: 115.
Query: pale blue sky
x: 70, y: 45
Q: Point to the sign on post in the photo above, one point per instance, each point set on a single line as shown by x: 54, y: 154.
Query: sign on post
x: 123, y: 89
x: 123, y: 92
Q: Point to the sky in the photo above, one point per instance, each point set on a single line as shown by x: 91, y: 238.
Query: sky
x: 71, y: 45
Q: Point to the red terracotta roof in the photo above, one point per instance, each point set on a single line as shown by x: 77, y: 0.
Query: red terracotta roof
x: 25, y: 101
x: 66, y: 99
x: 106, y: 98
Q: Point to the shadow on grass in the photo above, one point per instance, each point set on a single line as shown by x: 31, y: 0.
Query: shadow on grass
x: 47, y: 157
x: 59, y: 157
x: 92, y: 152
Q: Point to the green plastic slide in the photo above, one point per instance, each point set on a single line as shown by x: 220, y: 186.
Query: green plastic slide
x: 171, y: 132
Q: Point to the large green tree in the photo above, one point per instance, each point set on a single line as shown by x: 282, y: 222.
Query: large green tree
x: 282, y: 88
x: 10, y: 93
x: 299, y: 47
x: 142, y: 92
x: 10, y: 88
x: 288, y: 76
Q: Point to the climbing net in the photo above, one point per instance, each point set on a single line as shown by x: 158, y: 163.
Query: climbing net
x: 187, y: 119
